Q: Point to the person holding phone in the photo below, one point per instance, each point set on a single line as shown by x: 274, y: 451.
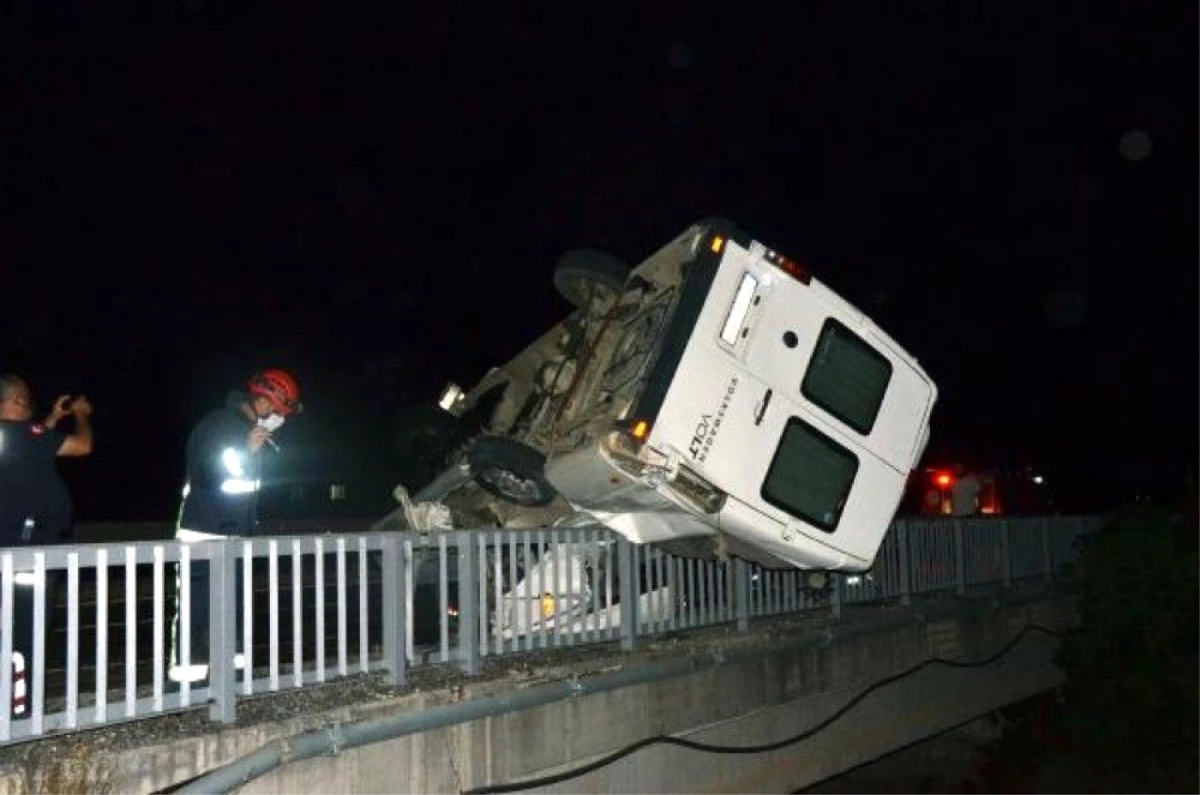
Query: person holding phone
x: 35, y: 505
x: 224, y: 464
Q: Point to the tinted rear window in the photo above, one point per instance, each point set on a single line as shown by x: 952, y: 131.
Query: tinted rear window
x: 810, y: 476
x: 847, y: 377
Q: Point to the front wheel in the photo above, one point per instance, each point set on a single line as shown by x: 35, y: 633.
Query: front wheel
x: 510, y: 470
x: 590, y: 278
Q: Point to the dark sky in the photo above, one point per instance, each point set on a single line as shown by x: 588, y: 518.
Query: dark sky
x: 1009, y: 189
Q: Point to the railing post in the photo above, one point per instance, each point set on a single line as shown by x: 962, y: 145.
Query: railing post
x: 7, y: 618
x: 741, y: 593
x: 1046, y: 546
x: 222, y: 629
x: 905, y: 562
x: 1005, y: 555
x: 468, y: 603
x: 960, y: 556
x: 836, y: 595
x: 395, y: 592
x: 630, y: 575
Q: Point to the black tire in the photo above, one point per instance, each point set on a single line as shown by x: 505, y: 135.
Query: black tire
x: 582, y: 272
x: 510, y: 470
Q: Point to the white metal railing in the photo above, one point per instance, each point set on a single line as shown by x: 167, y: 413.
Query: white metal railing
x: 316, y: 607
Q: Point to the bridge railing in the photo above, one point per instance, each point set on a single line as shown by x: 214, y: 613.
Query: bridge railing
x: 95, y: 620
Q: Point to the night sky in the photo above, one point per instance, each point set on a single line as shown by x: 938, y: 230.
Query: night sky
x: 1009, y: 189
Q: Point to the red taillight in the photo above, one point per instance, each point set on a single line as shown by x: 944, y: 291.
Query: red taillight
x: 943, y: 479
x: 792, y: 269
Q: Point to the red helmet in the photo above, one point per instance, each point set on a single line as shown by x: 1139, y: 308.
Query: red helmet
x: 279, y: 388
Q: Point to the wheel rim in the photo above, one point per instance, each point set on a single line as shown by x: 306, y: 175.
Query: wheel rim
x: 511, y: 485
x: 591, y: 293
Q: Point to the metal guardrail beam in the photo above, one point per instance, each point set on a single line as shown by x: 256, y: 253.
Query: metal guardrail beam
x: 386, y: 601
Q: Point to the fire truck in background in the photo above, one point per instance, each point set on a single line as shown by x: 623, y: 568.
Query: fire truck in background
x: 1002, y: 491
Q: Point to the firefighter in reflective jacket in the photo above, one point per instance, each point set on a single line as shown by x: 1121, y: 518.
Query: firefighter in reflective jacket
x: 220, y: 496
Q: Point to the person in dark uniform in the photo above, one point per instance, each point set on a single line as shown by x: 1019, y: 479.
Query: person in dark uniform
x: 224, y: 464
x: 35, y: 505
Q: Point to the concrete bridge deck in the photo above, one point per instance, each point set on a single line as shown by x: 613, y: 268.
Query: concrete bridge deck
x: 545, y: 714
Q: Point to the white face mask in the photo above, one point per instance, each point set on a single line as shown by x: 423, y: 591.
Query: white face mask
x: 272, y: 422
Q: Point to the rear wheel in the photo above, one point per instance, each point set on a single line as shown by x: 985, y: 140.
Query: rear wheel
x: 510, y: 470
x: 590, y: 278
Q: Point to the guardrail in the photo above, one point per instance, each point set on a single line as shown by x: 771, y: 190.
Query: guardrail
x: 321, y: 606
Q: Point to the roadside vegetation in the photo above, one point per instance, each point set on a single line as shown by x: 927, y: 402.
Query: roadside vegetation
x: 1127, y: 719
